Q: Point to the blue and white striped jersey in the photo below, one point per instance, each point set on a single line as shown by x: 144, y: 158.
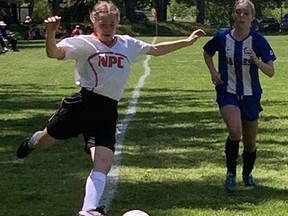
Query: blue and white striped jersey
x: 239, y: 74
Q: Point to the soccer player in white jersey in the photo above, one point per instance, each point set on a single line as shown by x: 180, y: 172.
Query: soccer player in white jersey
x: 103, y: 62
x: 242, y: 53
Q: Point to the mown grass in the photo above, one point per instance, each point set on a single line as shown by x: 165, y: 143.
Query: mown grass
x: 173, y: 153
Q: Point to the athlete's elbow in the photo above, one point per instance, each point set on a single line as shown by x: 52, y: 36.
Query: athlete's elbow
x: 49, y: 55
x: 271, y: 73
x: 154, y: 52
x: 55, y: 55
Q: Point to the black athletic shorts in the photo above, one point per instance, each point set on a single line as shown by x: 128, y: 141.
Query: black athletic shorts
x: 93, y: 115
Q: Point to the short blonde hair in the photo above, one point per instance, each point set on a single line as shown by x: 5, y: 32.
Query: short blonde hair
x: 243, y: 2
x: 104, y: 7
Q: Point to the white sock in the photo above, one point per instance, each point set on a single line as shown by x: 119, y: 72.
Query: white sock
x: 95, y: 185
x: 31, y: 142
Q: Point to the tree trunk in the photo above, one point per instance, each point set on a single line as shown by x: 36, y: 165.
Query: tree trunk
x: 161, y: 9
x: 130, y: 6
x: 3, y: 4
x: 200, y: 11
x: 31, y: 7
x: 56, y: 7
x: 14, y: 12
x: 80, y: 10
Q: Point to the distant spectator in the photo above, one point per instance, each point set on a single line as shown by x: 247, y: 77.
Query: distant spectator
x: 9, y: 36
x: 76, y: 31
x: 29, y: 31
x: 67, y: 32
x: 88, y: 30
x: 3, y: 41
x: 174, y: 18
x: 37, y: 33
x: 28, y: 20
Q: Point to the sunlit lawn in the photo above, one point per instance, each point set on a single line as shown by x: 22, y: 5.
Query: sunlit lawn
x: 173, y: 152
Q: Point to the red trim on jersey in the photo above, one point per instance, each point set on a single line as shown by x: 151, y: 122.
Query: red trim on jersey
x: 96, y: 54
x: 94, y: 71
x: 107, y: 43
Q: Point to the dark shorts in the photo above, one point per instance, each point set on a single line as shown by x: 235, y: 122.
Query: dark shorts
x: 94, y: 116
x: 249, y: 106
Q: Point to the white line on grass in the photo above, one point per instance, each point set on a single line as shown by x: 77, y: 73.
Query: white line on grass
x: 113, y: 176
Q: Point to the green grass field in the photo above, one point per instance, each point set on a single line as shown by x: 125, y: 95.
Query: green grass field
x: 173, y: 160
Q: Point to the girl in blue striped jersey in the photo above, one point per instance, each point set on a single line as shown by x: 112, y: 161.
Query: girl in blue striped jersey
x: 242, y: 53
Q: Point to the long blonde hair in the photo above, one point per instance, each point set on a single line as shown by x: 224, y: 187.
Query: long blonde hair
x: 104, y: 7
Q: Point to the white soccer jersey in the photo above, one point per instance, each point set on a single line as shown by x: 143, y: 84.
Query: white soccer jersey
x: 100, y: 68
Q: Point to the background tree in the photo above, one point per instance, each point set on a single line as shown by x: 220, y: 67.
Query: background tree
x: 180, y: 10
x: 161, y: 9
x: 3, y: 3
x: 14, y: 12
x: 215, y: 12
x: 55, y: 4
x: 31, y: 7
x: 200, y: 5
x: 130, y: 6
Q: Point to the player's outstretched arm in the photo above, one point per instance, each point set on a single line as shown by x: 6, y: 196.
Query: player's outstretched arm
x: 171, y: 46
x: 51, y: 25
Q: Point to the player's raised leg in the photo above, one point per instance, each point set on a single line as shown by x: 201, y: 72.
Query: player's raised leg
x: 39, y: 140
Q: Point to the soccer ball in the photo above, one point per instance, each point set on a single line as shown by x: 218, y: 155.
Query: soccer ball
x: 135, y: 213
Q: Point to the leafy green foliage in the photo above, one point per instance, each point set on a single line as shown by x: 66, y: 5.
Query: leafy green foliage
x: 219, y: 13
x: 41, y: 11
x: 181, y: 10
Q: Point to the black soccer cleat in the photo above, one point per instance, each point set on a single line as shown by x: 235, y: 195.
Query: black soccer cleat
x: 24, y: 150
x: 100, y: 209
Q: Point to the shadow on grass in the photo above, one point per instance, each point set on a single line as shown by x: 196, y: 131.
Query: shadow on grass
x: 157, y: 138
x: 59, y: 173
x: 49, y: 182
x: 31, y: 96
x: 194, y: 195
x: 31, y: 44
x: 185, y: 139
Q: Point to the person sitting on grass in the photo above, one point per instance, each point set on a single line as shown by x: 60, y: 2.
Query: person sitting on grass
x: 9, y: 36
x: 3, y: 41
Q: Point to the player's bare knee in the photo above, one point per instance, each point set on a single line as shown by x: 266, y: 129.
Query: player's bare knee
x: 235, y: 135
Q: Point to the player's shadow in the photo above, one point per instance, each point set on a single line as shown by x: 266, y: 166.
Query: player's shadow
x: 202, y: 194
